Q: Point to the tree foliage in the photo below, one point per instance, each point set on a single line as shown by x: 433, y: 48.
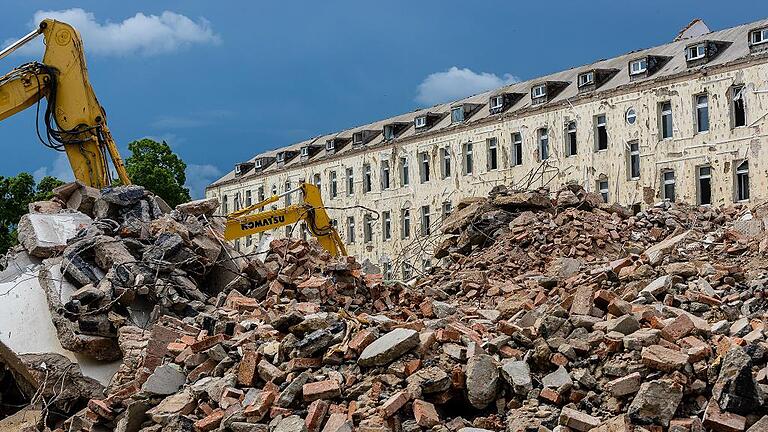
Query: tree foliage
x: 154, y: 166
x: 15, y: 195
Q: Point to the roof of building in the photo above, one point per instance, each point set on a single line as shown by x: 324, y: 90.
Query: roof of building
x: 738, y: 47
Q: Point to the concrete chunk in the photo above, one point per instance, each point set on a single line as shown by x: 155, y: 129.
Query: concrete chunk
x: 389, y: 347
x: 46, y: 235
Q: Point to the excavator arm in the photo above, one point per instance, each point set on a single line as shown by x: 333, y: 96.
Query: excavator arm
x: 75, y: 122
x: 244, y: 222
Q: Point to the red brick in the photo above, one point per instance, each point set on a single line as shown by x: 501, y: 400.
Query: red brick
x: 316, y: 415
x: 176, y: 348
x: 246, y: 371
x: 718, y: 421
x: 204, y: 369
x: 302, y: 363
x: 207, y: 343
x: 100, y: 408
x: 425, y: 414
x: 681, y: 327
x: 210, y: 422
x: 551, y: 395
x: 259, y: 408
x: 326, y: 389
x: 394, y: 403
x: 362, y: 339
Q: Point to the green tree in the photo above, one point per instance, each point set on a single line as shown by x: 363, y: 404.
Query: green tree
x: 15, y: 195
x: 154, y: 166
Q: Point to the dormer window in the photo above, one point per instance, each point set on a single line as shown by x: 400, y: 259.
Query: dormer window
x: 586, y: 79
x: 420, y: 122
x: 238, y: 169
x: 281, y: 157
x: 457, y: 114
x: 539, y: 91
x: 305, y: 151
x: 330, y: 145
x: 258, y: 164
x: 638, y: 67
x: 497, y: 102
x: 389, y: 132
x: 696, y: 52
x: 357, y: 138
x: 759, y: 36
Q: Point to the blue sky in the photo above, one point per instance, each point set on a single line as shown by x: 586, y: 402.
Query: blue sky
x: 222, y: 81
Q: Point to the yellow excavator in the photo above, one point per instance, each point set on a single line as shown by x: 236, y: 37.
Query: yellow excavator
x: 311, y: 210
x: 76, y: 123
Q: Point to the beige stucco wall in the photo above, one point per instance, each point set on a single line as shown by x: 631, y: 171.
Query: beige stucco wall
x: 687, y: 150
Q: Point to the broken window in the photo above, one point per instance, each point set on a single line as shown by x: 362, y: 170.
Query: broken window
x: 601, y: 133
x: 570, y: 139
x: 517, y: 149
x: 738, y: 107
x: 742, y: 181
x: 224, y: 205
x: 274, y: 189
x: 367, y: 228
x: 634, y: 160
x: 425, y: 223
x: 350, y: 181
x: 602, y: 187
x: 386, y: 270
x: 350, y: 229
x: 638, y: 66
x: 405, y: 177
x: 445, y: 159
x: 407, y: 271
x: 248, y: 200
x: 668, y: 178
x: 303, y: 231
x: 702, y: 113
x: 543, y: 144
x: 287, y: 188
x: 260, y: 195
x: 426, y: 264
x: 665, y: 119
x: 457, y: 114
x: 705, y: 185
x: 367, y: 181
x: 316, y: 181
x: 385, y: 181
x: 447, y: 208
x: 386, y: 231
x: 424, y: 167
x: 405, y: 223
x: 237, y: 201
x: 493, y: 154
x: 389, y: 132
x: 468, y: 160
x: 334, y: 185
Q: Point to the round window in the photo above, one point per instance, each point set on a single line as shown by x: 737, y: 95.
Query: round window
x: 631, y: 116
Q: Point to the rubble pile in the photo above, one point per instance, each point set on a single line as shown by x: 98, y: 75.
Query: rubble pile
x: 544, y: 314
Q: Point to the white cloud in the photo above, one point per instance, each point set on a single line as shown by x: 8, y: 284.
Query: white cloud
x: 60, y: 168
x: 456, y: 83
x: 140, y: 34
x: 200, y: 176
x: 191, y: 120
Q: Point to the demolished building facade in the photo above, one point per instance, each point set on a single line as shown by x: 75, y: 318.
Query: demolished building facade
x: 683, y: 121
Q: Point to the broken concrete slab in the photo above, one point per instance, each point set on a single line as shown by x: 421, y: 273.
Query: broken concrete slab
x: 46, y: 235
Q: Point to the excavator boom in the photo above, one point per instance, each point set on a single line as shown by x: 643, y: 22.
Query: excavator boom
x: 75, y: 122
x: 244, y: 222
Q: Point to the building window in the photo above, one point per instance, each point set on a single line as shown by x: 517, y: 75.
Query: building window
x: 405, y: 223
x: 224, y: 205
x: 287, y: 195
x: 334, y: 185
x: 424, y: 167
x: 447, y: 209
x: 367, y: 181
x: 274, y: 189
x: 586, y: 79
x: 405, y: 176
x: 602, y: 187
x: 758, y: 37
x: 539, y: 91
x: 350, y: 229
x: 407, y: 271
x: 493, y: 154
x: 638, y: 66
x: 316, y: 181
x: 742, y: 181
x: 601, y: 133
x: 702, y: 113
x: 425, y: 223
x: 468, y: 160
x: 385, y: 181
x: 386, y: 270
x: 696, y: 52
x: 303, y: 231
x: 634, y: 160
x: 367, y: 228
x: 630, y: 116
x: 389, y: 132
x: 350, y: 181
x: 420, y: 122
x: 517, y: 149
x: 668, y: 178
x: 386, y: 231
x: 457, y: 114
x: 543, y: 144
x: 237, y: 201
x: 426, y: 264
x: 738, y: 107
x: 570, y: 139
x: 705, y: 184
x: 260, y: 195
x: 445, y: 162
x: 330, y: 145
x: 497, y: 102
x: 357, y: 138
x: 665, y: 119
